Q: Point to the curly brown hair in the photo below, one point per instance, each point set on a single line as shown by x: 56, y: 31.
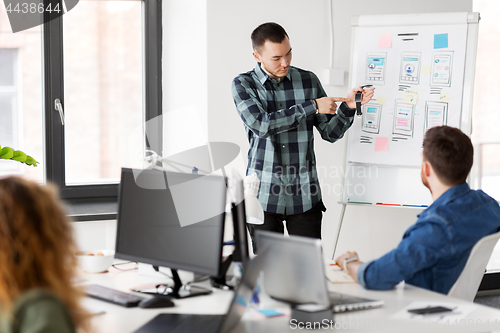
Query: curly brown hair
x: 37, y: 249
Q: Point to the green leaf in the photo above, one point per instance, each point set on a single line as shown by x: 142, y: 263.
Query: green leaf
x: 19, y: 156
x: 31, y: 161
x: 6, y: 153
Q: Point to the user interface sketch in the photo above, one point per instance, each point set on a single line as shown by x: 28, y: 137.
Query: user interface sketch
x: 418, y: 71
x: 375, y: 68
x: 410, y: 68
x: 371, y: 117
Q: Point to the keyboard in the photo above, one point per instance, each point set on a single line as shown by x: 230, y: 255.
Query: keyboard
x: 183, y: 323
x: 342, y: 302
x: 113, y: 296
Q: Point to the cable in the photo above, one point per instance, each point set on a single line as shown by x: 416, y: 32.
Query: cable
x: 125, y: 263
x: 156, y: 268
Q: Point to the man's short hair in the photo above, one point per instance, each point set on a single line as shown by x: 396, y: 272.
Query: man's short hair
x: 267, y: 31
x: 450, y: 153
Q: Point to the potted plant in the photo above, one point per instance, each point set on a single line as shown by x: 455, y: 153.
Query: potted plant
x: 8, y: 153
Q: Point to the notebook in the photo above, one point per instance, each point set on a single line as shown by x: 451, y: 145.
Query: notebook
x: 294, y: 272
x: 181, y: 323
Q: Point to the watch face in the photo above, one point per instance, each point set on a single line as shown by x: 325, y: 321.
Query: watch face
x: 357, y: 98
x: 347, y: 260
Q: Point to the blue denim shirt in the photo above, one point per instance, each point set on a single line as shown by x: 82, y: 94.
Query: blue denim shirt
x: 434, y: 250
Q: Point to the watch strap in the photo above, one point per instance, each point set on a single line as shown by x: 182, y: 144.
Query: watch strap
x: 357, y: 99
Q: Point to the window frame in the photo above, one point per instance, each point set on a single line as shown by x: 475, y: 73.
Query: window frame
x: 53, y: 85
x: 12, y: 92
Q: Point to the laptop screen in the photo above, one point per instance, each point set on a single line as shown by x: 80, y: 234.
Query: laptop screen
x: 295, y: 271
x: 243, y: 294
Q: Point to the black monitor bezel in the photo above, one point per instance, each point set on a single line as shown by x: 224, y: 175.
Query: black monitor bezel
x: 169, y: 264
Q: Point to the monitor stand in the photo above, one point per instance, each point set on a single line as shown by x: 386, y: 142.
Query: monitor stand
x: 221, y: 281
x: 178, y: 290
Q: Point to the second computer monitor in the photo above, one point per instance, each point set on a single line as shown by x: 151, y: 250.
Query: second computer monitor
x: 241, y: 253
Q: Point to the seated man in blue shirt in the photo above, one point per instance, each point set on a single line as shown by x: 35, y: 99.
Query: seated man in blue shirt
x: 434, y: 250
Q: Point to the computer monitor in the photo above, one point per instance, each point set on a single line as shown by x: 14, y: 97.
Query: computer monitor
x: 240, y: 239
x: 240, y: 253
x: 173, y: 220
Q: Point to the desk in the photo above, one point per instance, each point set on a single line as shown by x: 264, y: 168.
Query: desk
x: 123, y: 320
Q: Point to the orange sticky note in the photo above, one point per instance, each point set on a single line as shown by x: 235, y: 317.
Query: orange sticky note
x: 384, y: 41
x: 382, y: 143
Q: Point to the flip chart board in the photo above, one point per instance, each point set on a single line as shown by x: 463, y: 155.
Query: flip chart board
x: 422, y: 67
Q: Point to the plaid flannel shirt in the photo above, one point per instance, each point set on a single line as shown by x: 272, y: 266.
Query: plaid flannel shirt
x: 279, y: 118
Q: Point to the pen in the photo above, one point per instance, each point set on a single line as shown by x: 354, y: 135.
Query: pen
x: 415, y: 206
x: 386, y: 204
x: 359, y: 202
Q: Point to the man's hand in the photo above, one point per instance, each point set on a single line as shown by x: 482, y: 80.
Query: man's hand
x: 327, y: 104
x: 352, y: 267
x: 366, y: 96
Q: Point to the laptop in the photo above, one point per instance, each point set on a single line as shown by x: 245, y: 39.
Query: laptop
x: 294, y: 272
x: 182, y: 323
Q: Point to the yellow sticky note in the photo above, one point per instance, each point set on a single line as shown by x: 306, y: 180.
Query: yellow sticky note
x: 426, y: 70
x: 380, y: 100
x: 410, y: 97
x: 444, y: 97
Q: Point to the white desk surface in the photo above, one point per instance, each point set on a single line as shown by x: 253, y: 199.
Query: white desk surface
x: 118, y: 319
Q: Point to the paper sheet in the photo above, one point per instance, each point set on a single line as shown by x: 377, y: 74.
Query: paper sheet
x: 426, y: 70
x: 410, y: 97
x: 380, y: 100
x: 407, y: 65
x: 444, y: 97
x: 93, y: 311
x: 335, y: 275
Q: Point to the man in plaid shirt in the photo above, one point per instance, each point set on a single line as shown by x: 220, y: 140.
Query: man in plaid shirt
x: 279, y: 106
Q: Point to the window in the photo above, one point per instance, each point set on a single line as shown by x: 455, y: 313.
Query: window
x: 102, y: 61
x: 21, y: 109
x: 485, y: 135
x: 8, y: 97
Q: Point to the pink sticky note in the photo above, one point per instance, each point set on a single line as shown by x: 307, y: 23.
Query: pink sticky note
x: 382, y: 143
x: 384, y: 41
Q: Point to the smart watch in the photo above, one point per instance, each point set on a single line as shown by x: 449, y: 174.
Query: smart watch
x: 358, y: 99
x: 348, y: 260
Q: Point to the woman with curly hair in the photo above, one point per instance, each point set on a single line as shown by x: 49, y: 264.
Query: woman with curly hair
x: 37, y: 262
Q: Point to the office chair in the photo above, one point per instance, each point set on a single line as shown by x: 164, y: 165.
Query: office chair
x: 468, y: 282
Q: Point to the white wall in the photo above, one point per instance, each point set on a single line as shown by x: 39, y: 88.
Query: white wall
x: 184, y: 70
x: 95, y: 235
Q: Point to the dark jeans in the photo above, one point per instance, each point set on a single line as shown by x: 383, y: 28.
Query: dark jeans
x: 306, y: 224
